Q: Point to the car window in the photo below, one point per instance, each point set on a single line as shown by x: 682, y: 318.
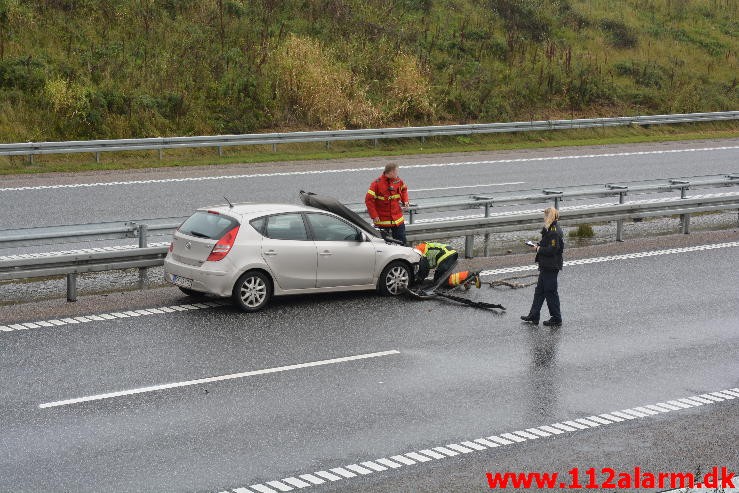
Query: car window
x: 258, y: 224
x: 286, y: 227
x: 209, y: 225
x: 329, y: 228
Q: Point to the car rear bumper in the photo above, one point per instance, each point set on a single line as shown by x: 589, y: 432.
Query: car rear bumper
x: 211, y: 281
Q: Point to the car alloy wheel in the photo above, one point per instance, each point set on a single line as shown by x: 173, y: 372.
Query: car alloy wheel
x: 252, y: 291
x: 395, y: 279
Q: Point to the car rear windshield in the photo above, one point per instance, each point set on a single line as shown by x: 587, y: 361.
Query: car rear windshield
x: 208, y: 225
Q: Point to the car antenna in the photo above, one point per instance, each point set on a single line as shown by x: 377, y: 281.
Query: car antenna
x: 230, y: 205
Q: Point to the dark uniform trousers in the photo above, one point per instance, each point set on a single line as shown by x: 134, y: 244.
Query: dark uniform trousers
x: 397, y: 232
x: 546, y: 289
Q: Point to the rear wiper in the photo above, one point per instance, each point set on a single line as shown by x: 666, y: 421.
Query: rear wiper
x: 199, y: 235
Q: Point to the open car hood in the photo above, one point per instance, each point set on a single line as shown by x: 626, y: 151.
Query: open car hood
x: 330, y: 204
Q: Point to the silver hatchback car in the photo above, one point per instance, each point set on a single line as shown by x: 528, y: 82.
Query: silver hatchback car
x: 252, y: 252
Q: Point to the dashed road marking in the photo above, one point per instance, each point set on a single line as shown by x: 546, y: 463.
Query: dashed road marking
x: 355, y: 170
x: 220, y: 378
x: 578, y: 425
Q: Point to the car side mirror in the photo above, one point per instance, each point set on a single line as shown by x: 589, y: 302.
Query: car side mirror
x: 360, y: 237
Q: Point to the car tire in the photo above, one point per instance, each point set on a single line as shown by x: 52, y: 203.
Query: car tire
x: 192, y: 292
x: 395, y: 279
x: 252, y: 291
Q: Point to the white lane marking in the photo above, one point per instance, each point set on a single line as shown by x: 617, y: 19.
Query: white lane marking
x: 506, y: 270
x: 221, y: 378
x: 111, y: 316
x: 311, y: 479
x: 501, y: 441
x: 563, y: 427
x: 611, y: 258
x: 375, y: 467
x: 551, y: 430
x: 611, y: 417
x: 388, y: 463
x: 328, y: 475
x: 356, y: 170
x: 343, y: 472
x: 467, y: 186
x: 280, y: 486
x: 486, y: 442
x: 600, y: 420
x: 357, y: 468
x: 538, y: 432
x: 298, y: 483
x: 79, y: 251
x: 403, y: 460
x: 482, y: 444
x: 262, y: 489
x: 418, y: 457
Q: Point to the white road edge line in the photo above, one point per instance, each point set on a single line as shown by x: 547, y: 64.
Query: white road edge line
x: 221, y: 378
x: 354, y: 170
x: 480, y: 444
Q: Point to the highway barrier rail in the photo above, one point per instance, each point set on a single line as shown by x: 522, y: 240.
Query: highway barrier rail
x: 26, y: 266
x: 96, y: 147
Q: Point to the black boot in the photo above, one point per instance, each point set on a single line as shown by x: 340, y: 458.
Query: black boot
x: 530, y: 319
x: 552, y: 322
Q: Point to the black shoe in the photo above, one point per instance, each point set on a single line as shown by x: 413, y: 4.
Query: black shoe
x: 552, y: 322
x: 530, y: 319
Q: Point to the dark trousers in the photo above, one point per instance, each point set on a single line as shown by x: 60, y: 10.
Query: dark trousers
x: 397, y: 232
x: 546, y: 289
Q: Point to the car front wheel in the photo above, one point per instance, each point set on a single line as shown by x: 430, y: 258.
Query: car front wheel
x: 395, y: 278
x: 252, y: 291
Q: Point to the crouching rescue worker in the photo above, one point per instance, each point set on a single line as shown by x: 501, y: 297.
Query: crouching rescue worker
x: 443, y: 259
x: 385, y: 200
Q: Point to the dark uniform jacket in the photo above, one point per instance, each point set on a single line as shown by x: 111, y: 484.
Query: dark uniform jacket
x: 551, y: 246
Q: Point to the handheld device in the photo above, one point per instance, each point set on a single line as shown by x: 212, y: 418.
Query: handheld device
x: 530, y: 243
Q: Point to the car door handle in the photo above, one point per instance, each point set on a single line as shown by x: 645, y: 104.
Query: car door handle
x: 270, y: 252
x: 325, y: 252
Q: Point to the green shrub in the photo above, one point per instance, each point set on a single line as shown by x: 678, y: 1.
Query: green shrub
x: 582, y: 231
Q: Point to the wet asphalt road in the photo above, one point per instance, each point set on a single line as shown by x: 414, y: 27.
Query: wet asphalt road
x: 348, y: 179
x: 636, y: 331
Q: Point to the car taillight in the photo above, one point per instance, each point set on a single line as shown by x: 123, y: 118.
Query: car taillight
x: 171, y: 246
x: 223, y: 246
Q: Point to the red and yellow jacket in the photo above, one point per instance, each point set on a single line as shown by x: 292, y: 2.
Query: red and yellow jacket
x: 383, y: 200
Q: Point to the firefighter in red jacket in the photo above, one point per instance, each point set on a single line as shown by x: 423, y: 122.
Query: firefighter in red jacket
x: 385, y: 200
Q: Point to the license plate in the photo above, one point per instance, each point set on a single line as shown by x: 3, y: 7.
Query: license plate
x: 181, y: 281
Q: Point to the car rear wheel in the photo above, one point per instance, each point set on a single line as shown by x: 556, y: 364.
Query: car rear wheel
x: 252, y: 291
x: 395, y: 278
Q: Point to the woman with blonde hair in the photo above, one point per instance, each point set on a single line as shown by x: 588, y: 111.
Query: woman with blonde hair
x: 549, y: 257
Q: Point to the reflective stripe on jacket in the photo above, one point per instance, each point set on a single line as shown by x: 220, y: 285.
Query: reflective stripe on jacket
x: 436, y: 252
x: 383, y: 200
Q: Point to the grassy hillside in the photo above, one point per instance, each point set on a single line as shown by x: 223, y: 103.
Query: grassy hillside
x: 79, y: 69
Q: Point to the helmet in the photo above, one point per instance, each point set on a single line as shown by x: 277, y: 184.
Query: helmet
x: 421, y: 248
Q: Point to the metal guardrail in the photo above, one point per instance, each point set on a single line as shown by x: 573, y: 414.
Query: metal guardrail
x: 75, y: 263
x: 31, y: 149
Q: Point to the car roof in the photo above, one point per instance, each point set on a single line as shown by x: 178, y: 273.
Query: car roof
x: 252, y: 209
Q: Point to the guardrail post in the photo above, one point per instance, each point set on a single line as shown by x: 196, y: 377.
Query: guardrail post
x: 621, y: 200
x: 684, y: 218
x: 143, y: 230
x: 220, y: 151
x: 410, y: 216
x: 274, y: 147
x: 72, y: 286
x: 375, y: 142
x: 469, y: 246
x: 557, y: 196
x: 97, y: 157
x: 161, y: 153
x: 30, y: 159
x: 485, y: 251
